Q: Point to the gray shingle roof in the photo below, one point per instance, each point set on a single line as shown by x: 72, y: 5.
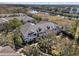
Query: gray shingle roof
x: 28, y: 28
x: 20, y: 16
x: 25, y: 29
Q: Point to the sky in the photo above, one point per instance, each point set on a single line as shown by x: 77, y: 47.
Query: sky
x: 66, y: 3
x: 50, y: 2
x: 40, y: 1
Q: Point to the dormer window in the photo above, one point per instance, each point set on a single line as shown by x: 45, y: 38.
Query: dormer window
x: 48, y: 27
x: 39, y: 29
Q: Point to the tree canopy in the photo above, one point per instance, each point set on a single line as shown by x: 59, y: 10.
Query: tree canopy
x: 15, y: 23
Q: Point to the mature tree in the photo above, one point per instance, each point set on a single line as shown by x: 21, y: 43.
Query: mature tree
x: 77, y: 31
x: 74, y: 29
x: 18, y: 38
x: 37, y: 18
x: 18, y: 41
x: 13, y: 24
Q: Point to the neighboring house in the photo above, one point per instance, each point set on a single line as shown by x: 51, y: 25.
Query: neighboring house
x: 32, y: 31
x: 3, y: 23
x: 26, y: 19
x: 20, y: 16
x: 74, y: 10
x: 77, y: 11
x: 8, y: 51
x: 11, y: 15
